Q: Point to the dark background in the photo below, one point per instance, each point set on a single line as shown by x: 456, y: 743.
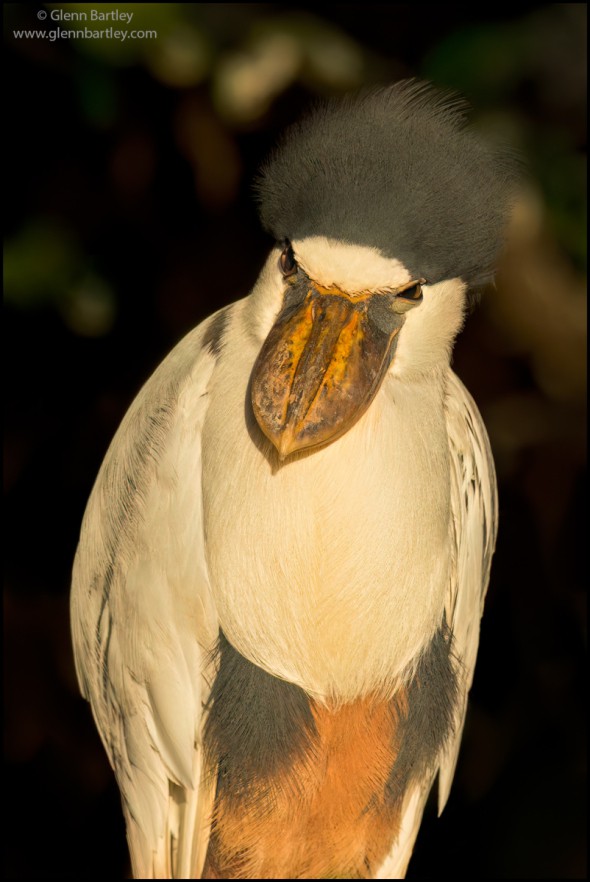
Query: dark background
x: 128, y: 170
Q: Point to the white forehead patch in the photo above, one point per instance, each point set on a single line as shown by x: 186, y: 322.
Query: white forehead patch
x: 352, y: 268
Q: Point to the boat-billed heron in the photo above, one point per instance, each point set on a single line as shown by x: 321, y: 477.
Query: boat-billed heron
x: 278, y: 588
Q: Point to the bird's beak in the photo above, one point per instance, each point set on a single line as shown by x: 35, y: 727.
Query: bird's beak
x: 321, y: 366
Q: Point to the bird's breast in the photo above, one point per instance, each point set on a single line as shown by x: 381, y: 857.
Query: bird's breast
x: 329, y: 570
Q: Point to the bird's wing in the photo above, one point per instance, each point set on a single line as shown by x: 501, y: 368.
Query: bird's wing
x: 473, y: 534
x: 474, y: 525
x: 143, y: 620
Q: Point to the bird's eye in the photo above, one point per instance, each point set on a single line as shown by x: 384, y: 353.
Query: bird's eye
x: 413, y: 291
x: 287, y: 261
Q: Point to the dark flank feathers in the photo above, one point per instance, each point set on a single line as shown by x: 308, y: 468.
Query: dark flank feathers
x: 396, y: 169
x: 257, y: 726
x: 431, y: 700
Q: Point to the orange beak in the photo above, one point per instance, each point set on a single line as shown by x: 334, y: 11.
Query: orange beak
x: 321, y: 366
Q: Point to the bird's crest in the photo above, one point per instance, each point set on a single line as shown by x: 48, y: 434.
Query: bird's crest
x: 398, y: 169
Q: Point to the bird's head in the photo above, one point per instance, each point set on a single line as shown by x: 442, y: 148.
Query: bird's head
x: 386, y: 209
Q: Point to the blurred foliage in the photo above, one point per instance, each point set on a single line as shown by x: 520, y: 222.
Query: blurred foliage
x: 130, y: 218
x: 535, y: 67
x: 43, y: 265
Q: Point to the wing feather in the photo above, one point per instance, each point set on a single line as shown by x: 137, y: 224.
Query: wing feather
x: 143, y: 619
x: 474, y: 509
x: 474, y: 506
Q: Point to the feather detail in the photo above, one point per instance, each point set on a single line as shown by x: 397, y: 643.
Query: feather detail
x: 396, y: 863
x: 474, y: 506
x: 143, y: 619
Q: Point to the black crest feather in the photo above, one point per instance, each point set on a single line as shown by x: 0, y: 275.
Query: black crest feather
x: 397, y: 169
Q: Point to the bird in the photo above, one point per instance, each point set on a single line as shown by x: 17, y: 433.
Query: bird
x: 277, y: 591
